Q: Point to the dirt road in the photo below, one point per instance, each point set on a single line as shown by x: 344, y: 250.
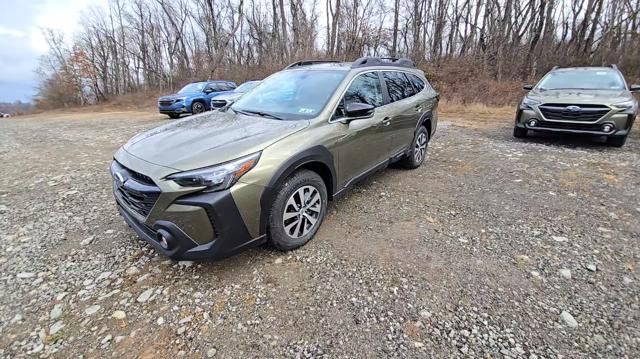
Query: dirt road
x: 496, y: 247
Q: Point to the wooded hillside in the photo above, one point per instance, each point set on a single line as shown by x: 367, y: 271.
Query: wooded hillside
x: 475, y: 50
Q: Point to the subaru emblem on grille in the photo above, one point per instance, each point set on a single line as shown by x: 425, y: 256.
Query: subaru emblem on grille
x: 119, y: 178
x: 573, y: 108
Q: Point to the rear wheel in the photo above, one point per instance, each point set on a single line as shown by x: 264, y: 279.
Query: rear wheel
x: 197, y: 107
x: 616, y: 141
x: 519, y: 132
x: 419, y: 147
x: 297, y: 211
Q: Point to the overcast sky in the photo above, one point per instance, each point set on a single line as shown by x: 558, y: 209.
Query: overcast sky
x: 21, y: 41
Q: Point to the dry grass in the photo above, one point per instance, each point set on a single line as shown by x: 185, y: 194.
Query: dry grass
x: 139, y: 106
x: 475, y: 115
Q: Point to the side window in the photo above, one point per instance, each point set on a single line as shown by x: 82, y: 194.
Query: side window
x: 409, y: 90
x: 210, y: 87
x: 228, y: 86
x: 417, y: 82
x: 366, y: 88
x: 398, y: 85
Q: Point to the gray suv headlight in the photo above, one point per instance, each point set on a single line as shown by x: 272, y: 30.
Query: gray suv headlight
x: 626, y: 106
x: 527, y: 102
x: 218, y: 177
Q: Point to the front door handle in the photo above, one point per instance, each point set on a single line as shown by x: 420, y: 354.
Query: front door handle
x: 385, y: 122
x: 418, y: 108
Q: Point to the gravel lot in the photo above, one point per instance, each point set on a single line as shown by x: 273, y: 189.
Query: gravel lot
x: 496, y: 248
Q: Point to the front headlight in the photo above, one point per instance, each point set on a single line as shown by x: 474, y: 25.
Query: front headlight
x: 625, y: 106
x: 527, y: 102
x: 180, y: 99
x: 219, y: 177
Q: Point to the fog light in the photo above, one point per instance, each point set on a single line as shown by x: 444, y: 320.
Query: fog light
x: 164, y: 238
x: 607, y: 127
x: 163, y: 242
x: 533, y: 123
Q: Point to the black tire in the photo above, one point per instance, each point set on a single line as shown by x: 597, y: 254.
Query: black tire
x: 519, y: 132
x: 174, y: 115
x: 279, y: 231
x: 197, y: 107
x: 414, y: 159
x: 616, y: 141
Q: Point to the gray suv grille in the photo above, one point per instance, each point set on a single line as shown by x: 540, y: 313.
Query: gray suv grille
x: 569, y: 112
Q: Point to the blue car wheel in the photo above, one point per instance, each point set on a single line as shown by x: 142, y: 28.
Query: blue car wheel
x: 197, y: 107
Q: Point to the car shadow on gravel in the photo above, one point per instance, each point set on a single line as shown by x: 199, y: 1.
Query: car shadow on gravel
x: 572, y: 140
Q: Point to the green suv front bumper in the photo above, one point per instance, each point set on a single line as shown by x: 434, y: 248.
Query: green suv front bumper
x: 191, y: 226
x: 609, y: 123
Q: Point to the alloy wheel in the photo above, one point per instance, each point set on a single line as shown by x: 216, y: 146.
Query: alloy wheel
x: 302, y: 211
x: 197, y: 107
x: 420, y: 147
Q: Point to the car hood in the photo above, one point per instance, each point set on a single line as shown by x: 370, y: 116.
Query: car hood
x: 174, y: 96
x: 208, y: 139
x: 229, y: 96
x: 606, y: 97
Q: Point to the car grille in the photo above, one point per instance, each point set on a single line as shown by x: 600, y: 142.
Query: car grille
x: 165, y: 102
x: 218, y: 103
x: 138, y: 192
x: 569, y: 112
x: 140, y: 202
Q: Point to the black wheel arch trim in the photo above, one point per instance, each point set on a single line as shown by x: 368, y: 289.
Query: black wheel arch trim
x: 317, y: 154
x: 424, y: 118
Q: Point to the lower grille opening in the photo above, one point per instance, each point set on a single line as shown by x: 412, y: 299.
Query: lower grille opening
x: 569, y: 126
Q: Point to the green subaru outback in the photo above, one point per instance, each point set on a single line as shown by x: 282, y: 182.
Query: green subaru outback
x: 585, y: 100
x: 266, y: 167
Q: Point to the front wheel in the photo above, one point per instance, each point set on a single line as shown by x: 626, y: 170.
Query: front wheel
x: 197, y: 107
x: 418, y: 152
x: 297, y: 211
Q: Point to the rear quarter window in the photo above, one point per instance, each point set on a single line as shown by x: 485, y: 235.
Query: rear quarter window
x: 417, y: 82
x: 398, y: 85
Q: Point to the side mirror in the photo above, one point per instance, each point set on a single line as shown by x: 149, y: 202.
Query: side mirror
x: 634, y: 88
x: 207, y: 90
x: 358, y: 110
x: 527, y: 87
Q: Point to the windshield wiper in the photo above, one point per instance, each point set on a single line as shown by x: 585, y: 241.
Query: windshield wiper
x: 259, y: 113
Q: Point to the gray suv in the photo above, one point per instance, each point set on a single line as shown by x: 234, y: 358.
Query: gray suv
x: 583, y: 100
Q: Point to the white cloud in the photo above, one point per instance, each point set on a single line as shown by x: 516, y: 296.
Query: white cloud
x: 6, y: 31
x: 21, y: 32
x: 60, y: 16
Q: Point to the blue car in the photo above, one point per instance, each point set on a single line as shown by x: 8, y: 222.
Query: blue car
x: 194, y: 98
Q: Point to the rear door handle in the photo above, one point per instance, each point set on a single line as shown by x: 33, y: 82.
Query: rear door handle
x: 418, y: 108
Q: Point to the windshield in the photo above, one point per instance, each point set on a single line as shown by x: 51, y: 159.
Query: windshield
x: 292, y: 95
x: 194, y: 87
x: 245, y: 87
x: 583, y: 80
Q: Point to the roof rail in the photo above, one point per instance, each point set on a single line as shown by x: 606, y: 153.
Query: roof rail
x: 382, y: 61
x: 555, y: 67
x: 309, y: 62
x: 615, y: 67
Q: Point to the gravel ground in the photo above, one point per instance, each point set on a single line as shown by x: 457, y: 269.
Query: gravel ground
x: 495, y: 248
